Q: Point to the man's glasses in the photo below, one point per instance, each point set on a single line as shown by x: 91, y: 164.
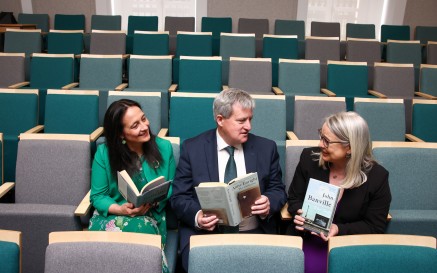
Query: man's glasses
x: 326, y: 141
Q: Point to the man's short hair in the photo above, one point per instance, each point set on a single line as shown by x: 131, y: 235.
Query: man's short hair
x: 227, y: 98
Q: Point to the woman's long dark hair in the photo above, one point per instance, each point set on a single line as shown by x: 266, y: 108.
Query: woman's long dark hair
x: 120, y: 156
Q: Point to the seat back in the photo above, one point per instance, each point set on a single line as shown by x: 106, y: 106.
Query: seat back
x: 40, y: 20
x: 257, y: 26
x: 424, y: 124
x: 395, y: 32
x: 425, y: 34
x: 194, y: 44
x: 250, y: 252
x: 184, y: 122
x: 253, y: 75
x: 150, y: 104
x: 431, y: 53
x: 2, y: 178
x: 386, y: 251
x: 65, y: 42
x: 404, y: 52
x: 325, y: 29
x: 363, y: 50
x: 237, y: 45
x: 71, y: 112
x: 100, y: 72
x: 267, y: 123
x: 290, y: 27
x: 410, y: 164
x: 70, y: 22
x: 361, y: 31
x: 175, y: 24
x: 108, y: 42
x: 151, y: 43
x: 394, y: 80
x: 51, y: 70
x: 23, y: 41
x: 12, y: 68
x: 10, y: 249
x: 106, y: 22
x: 428, y: 79
x: 385, y: 118
x: 141, y: 23
x: 299, y: 77
x: 217, y: 26
x: 200, y: 74
x: 305, y: 125
x: 150, y: 72
x: 118, y: 251
x: 322, y: 48
x: 46, y: 165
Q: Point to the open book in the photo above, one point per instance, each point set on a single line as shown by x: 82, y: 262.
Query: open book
x: 319, y: 206
x: 230, y: 202
x: 154, y: 191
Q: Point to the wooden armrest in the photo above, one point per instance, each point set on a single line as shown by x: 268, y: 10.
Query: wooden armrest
x: 425, y: 95
x: 413, y: 138
x: 96, y: 134
x: 163, y: 132
x: 77, y: 56
x: 328, y: 92
x: 121, y: 87
x: 285, y: 215
x: 225, y: 87
x: 173, y: 88
x: 69, y: 86
x: 389, y: 217
x: 18, y: 85
x: 125, y: 56
x: 35, y: 129
x: 377, y: 94
x: 291, y: 135
x: 277, y: 91
x: 84, y: 206
x: 5, y: 188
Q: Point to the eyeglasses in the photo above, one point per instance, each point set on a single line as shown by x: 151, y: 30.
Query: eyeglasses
x: 326, y: 141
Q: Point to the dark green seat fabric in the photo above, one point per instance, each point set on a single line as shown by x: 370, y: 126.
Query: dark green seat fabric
x: 276, y: 47
x: 425, y: 34
x: 395, y: 32
x: 139, y: 23
x: 363, y: 31
x: 411, y: 171
x: 70, y: 22
x: 106, y: 22
x: 150, y: 43
x: 382, y: 258
x: 424, y: 121
x: 292, y: 27
x: 65, y: 42
x: 1, y: 159
x: 428, y: 79
x: 40, y: 20
x: 200, y: 74
x: 18, y: 113
x: 9, y: 257
x: 216, y: 25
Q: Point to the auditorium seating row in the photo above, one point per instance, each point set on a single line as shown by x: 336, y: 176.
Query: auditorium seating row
x: 46, y: 200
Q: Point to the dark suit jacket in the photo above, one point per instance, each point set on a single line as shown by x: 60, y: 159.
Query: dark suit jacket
x: 361, y: 210
x: 198, y: 163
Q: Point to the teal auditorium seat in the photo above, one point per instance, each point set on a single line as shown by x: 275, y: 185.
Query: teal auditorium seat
x: 245, y: 253
x: 424, y: 120
x: 40, y: 20
x: 106, y: 22
x: 428, y: 81
x: 139, y: 23
x: 395, y: 32
x: 382, y: 253
x: 10, y: 251
x: 175, y: 24
x: 2, y: 179
x: 65, y: 42
x: 152, y: 74
x: 385, y: 118
x: 69, y: 22
x: 200, y: 74
x: 18, y: 114
x: 360, y: 31
x: 277, y: 47
x: 412, y: 168
x: 425, y: 34
x: 150, y: 43
x: 292, y: 27
x: 217, y: 26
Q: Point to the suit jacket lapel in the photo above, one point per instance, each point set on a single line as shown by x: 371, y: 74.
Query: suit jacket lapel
x: 250, y: 156
x: 210, y: 148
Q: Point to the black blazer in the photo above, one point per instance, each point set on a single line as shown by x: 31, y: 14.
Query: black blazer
x: 198, y: 163
x: 361, y: 210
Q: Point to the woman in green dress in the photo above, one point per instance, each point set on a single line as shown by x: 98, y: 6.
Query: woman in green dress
x: 130, y: 146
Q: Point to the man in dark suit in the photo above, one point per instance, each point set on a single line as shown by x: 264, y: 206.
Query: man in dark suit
x: 206, y: 158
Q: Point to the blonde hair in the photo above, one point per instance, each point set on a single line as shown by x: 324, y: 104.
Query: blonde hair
x: 352, y: 128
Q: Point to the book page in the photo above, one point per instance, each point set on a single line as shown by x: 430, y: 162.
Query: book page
x: 215, y: 200
x: 245, y: 192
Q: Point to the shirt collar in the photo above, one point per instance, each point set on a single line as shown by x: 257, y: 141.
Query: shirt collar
x: 221, y: 144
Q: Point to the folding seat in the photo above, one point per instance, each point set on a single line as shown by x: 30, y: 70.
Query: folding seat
x: 118, y: 251
x: 292, y: 27
x: 106, y: 22
x: 395, y: 32
x: 411, y: 165
x: 152, y: 74
x: 18, y: 114
x: 425, y: 34
x: 217, y: 26
x: 69, y: 22
x: 12, y: 69
x: 10, y: 249
x: 428, y: 81
x: 108, y: 42
x: 385, y: 117
x: 65, y: 42
x: 44, y: 193
x: 235, y: 45
x: 150, y: 43
x: 249, y: 252
x: 424, y: 123
x: 431, y: 53
x: 139, y: 23
x: 175, y: 24
x: 387, y: 253
x: 200, y: 74
x: 360, y: 31
x: 279, y: 46
x: 257, y: 26
x: 40, y: 20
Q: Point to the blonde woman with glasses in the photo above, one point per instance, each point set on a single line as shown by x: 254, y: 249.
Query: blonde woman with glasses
x: 343, y: 158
